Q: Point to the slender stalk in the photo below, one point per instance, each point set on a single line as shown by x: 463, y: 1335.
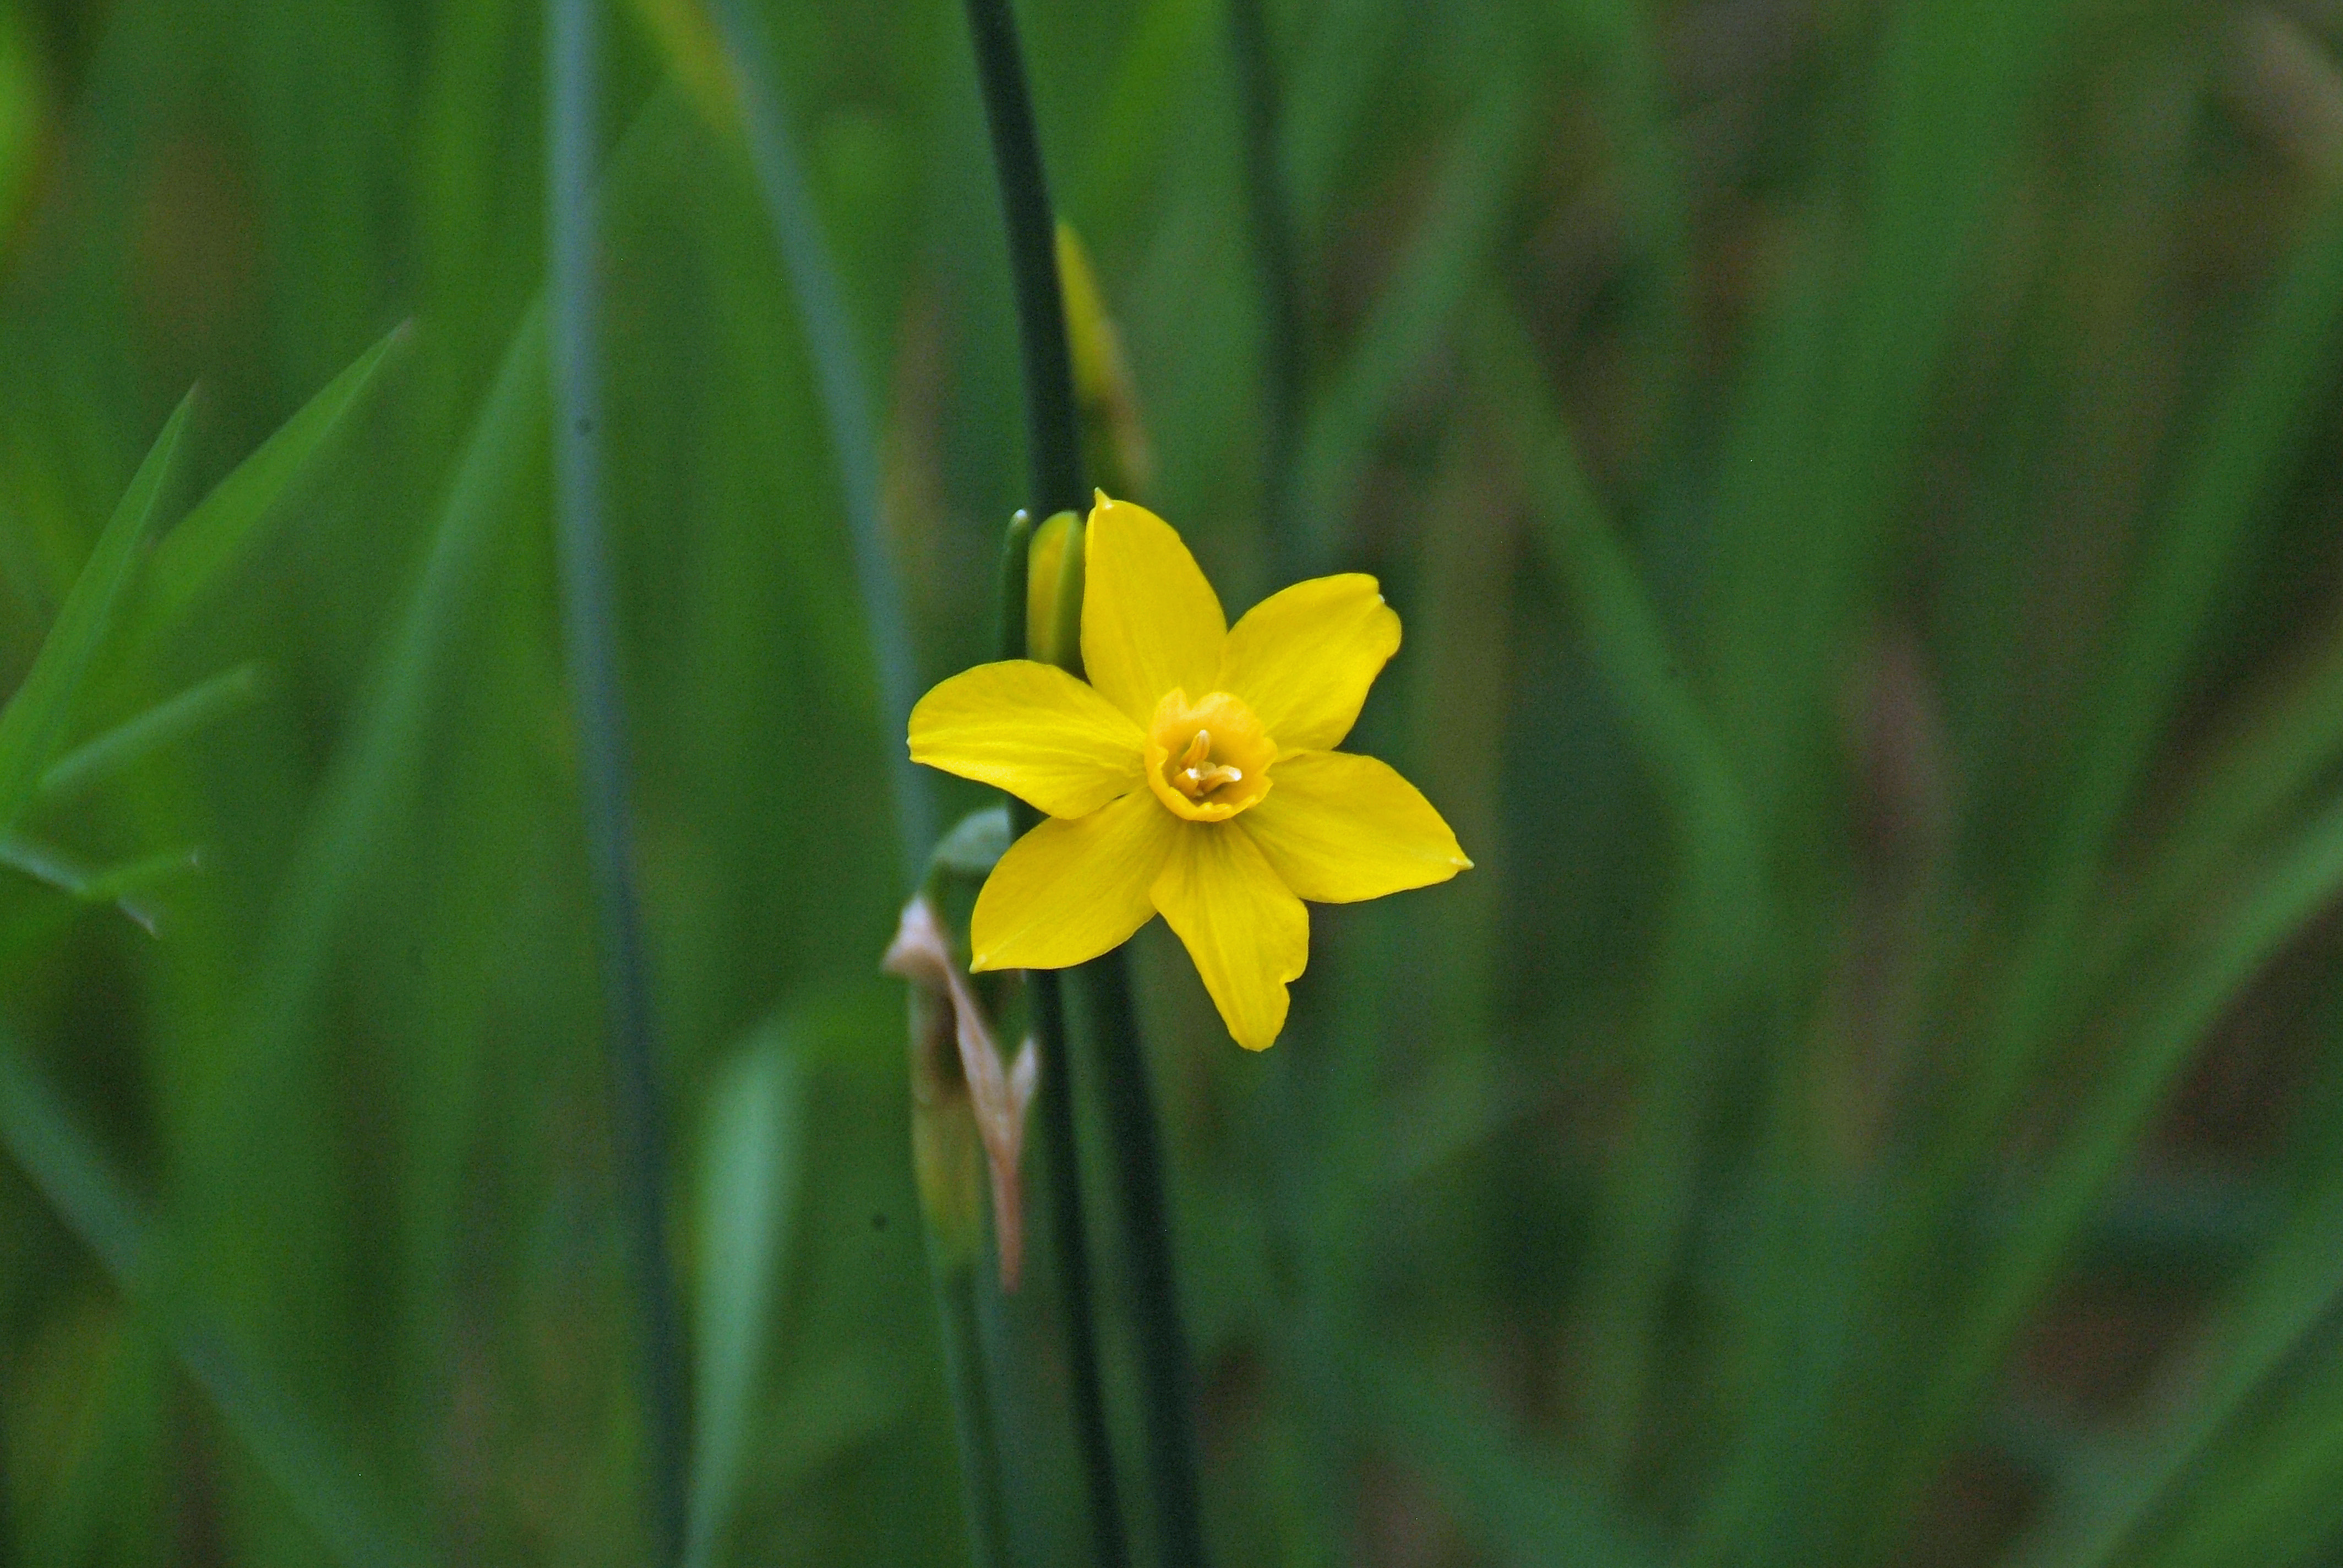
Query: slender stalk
x: 1061, y: 1154
x: 1076, y: 1274
x: 1053, y: 431
x: 587, y: 623
x: 1104, y: 986
x: 1053, y: 447
x: 7, y: 1518
x: 1270, y: 210
x: 956, y: 1289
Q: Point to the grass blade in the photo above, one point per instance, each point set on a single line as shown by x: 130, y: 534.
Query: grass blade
x: 589, y: 629
x: 170, y: 721
x: 227, y: 523
x: 2295, y: 1287
x: 1283, y: 352
x: 2234, y: 798
x: 1444, y: 261
x: 1824, y: 436
x: 1709, y: 931
x: 846, y: 405
x: 2256, y: 424
x: 63, y: 873
x: 305, y: 1463
x: 35, y: 715
x: 2272, y: 1499
x: 749, y: 1168
x: 379, y: 762
x: 2305, y: 880
x: 1526, y: 1511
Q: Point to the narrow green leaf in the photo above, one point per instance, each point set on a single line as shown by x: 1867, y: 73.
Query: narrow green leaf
x: 170, y: 720
x: 1444, y: 260
x: 225, y: 523
x: 71, y: 1172
x: 1824, y: 438
x: 132, y: 1393
x: 749, y: 1172
x: 2234, y: 795
x: 1524, y: 1508
x: 379, y: 760
x: 316, y: 1477
x: 69, y: 875
x: 2255, y: 422
x: 843, y: 386
x: 23, y: 107
x: 2114, y: 1113
x: 35, y: 715
x: 1650, y: 1200
x: 2263, y: 1319
x: 2271, y: 1499
x: 1576, y: 544
x: 1340, y: 62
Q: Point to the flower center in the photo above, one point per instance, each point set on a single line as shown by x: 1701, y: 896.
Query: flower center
x: 1196, y: 775
x: 1208, y: 759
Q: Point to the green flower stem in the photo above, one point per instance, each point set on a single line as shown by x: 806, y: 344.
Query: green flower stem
x: 8, y: 1532
x: 1045, y: 996
x: 981, y: 1492
x: 589, y: 635
x: 1102, y: 992
x: 1270, y: 210
x: 1053, y: 447
x: 1053, y: 430
x: 1061, y: 1156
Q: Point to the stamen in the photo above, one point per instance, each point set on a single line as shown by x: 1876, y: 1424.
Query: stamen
x: 1196, y: 775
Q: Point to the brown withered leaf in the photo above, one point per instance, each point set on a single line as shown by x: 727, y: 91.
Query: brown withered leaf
x: 998, y: 1095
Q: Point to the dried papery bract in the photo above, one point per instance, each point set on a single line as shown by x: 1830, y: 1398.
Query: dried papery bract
x: 997, y: 1095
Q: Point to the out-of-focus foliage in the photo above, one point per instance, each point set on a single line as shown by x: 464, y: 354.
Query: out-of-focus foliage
x: 1860, y: 482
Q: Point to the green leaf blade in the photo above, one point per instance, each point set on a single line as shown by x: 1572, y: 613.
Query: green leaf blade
x: 172, y: 719
x: 35, y: 715
x: 225, y: 523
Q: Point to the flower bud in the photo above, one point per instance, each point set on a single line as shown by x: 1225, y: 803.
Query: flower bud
x: 1053, y: 593
x: 1120, y: 453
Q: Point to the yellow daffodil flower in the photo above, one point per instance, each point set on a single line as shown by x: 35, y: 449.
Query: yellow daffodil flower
x: 1193, y: 775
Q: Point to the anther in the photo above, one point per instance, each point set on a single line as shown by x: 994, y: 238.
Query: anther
x: 1197, y: 776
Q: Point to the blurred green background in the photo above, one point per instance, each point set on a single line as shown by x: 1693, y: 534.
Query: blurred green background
x: 1861, y: 483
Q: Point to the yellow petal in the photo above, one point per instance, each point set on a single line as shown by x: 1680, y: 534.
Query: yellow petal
x: 1304, y: 656
x: 1247, y: 933
x: 1339, y: 828
x: 1033, y: 731
x: 1150, y: 620
x: 1067, y: 891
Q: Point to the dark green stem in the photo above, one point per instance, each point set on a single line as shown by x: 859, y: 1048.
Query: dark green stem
x: 1076, y: 1274
x: 590, y: 638
x: 957, y: 1289
x: 1053, y: 449
x: 1061, y: 1155
x: 1272, y: 214
x: 1104, y: 987
x: 1053, y: 431
x: 7, y: 1521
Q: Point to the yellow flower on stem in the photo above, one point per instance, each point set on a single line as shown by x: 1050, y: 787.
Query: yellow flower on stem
x: 1193, y: 775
